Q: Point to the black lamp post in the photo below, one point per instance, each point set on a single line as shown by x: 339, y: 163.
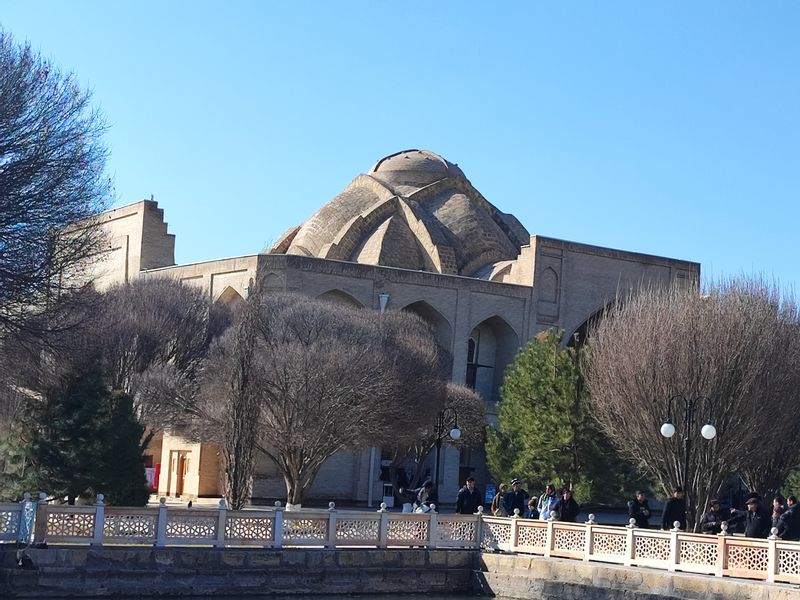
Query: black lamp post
x: 708, y: 431
x: 446, y: 426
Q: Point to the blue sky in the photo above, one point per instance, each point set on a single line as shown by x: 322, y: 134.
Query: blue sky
x: 669, y: 128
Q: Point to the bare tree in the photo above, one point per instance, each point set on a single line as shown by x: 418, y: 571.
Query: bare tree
x: 324, y: 378
x: 51, y: 177
x: 417, y: 444
x: 735, y: 346
x: 153, y: 335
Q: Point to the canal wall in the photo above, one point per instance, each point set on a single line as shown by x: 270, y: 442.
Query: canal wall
x: 142, y: 572
x: 535, y: 577
x: 87, y: 572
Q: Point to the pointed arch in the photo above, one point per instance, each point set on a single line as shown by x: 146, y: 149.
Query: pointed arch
x: 441, y: 326
x: 229, y: 297
x: 340, y: 297
x: 582, y: 332
x: 492, y: 345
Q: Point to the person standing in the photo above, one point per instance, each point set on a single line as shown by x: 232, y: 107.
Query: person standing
x: 469, y: 498
x: 532, y: 512
x: 789, y: 523
x: 567, y: 509
x: 758, y: 521
x: 639, y: 509
x: 712, y: 520
x: 516, y: 498
x: 497, y: 502
x: 674, y: 510
x: 546, y: 502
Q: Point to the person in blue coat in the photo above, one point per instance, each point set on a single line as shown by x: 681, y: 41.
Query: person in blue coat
x: 547, y: 502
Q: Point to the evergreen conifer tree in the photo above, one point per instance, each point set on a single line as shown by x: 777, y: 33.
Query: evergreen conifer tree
x: 545, y: 431
x: 87, y: 441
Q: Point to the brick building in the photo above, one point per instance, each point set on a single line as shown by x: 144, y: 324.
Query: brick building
x: 410, y: 234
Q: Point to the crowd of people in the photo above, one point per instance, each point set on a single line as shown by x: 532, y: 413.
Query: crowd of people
x: 754, y: 521
x: 548, y: 505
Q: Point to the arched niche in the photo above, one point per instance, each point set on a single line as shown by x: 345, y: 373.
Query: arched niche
x: 491, y: 346
x: 441, y: 326
x: 229, y: 297
x: 340, y: 297
x: 548, y: 285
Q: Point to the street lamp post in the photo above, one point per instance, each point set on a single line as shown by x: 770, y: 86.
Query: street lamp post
x: 446, y: 426
x: 708, y: 431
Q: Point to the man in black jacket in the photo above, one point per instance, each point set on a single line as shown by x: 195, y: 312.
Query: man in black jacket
x: 758, y: 521
x: 566, y: 508
x: 468, y: 499
x: 712, y: 521
x: 517, y: 498
x: 789, y: 523
x: 674, y: 510
x: 639, y: 510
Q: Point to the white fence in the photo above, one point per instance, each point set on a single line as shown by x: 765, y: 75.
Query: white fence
x: 721, y: 555
x: 219, y: 527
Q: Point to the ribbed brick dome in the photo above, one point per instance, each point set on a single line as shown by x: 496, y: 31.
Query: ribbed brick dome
x: 412, y: 210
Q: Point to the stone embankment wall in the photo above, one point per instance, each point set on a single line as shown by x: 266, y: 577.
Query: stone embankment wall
x: 539, y: 578
x: 142, y: 572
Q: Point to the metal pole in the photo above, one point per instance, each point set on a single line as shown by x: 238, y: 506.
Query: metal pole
x: 687, y: 425
x: 438, y: 450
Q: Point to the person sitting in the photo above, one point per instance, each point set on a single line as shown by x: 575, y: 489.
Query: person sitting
x: 639, y: 510
x: 712, y: 520
x: 567, y: 509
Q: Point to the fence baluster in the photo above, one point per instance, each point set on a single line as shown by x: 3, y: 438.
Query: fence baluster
x: 222, y: 518
x: 99, y: 520
x: 161, y: 524
x: 278, y: 525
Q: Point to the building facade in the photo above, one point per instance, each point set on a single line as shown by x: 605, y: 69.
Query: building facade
x: 410, y: 234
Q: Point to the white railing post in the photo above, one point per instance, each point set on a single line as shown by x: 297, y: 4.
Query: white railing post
x: 433, y: 524
x: 479, y: 526
x: 161, y: 524
x: 383, y: 527
x: 630, y: 543
x: 222, y: 520
x: 331, y: 525
x: 674, y: 555
x: 722, y: 549
x: 588, y: 548
x: 278, y: 525
x: 548, y: 547
x: 514, y: 538
x: 40, y: 527
x: 99, y: 520
x: 772, y: 555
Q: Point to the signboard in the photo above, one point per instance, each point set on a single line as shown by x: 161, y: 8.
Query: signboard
x: 491, y: 491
